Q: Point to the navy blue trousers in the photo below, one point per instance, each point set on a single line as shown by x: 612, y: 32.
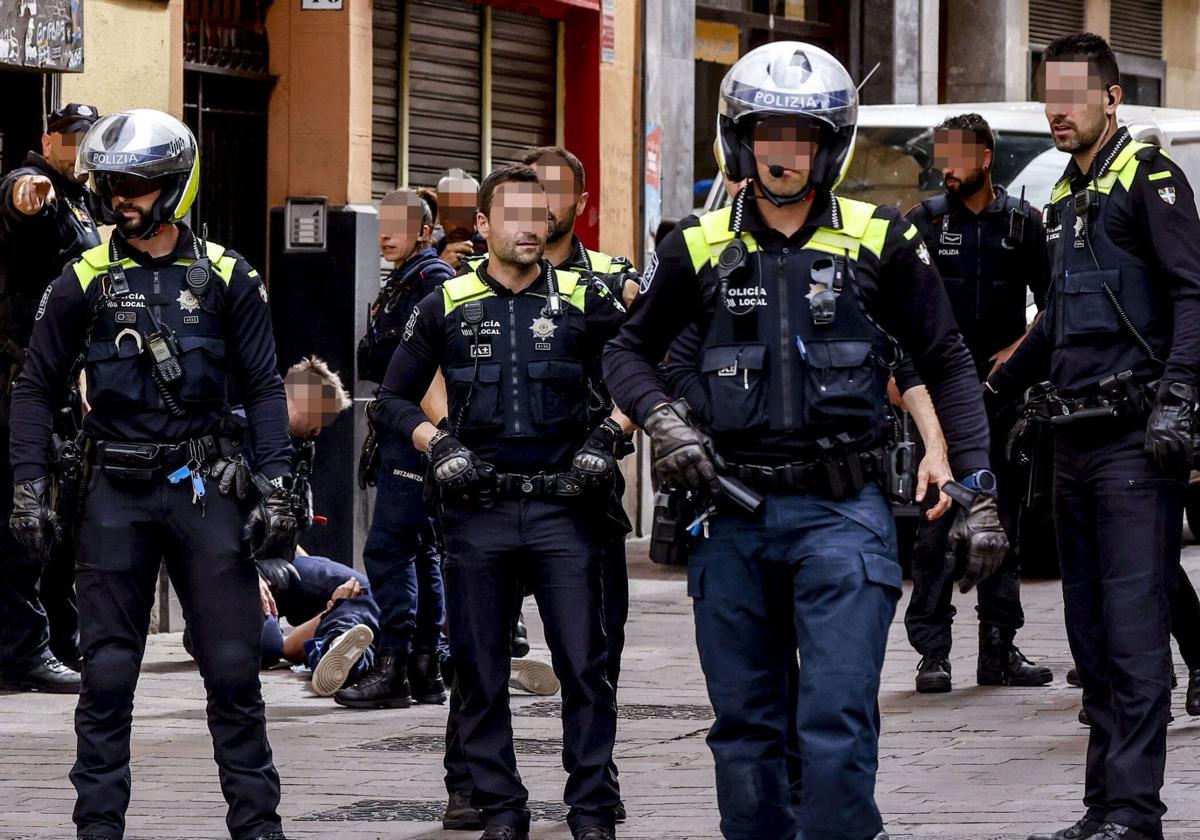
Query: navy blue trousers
x: 550, y: 547
x: 126, y: 532
x: 828, y: 569
x: 401, y: 555
x: 1120, y: 522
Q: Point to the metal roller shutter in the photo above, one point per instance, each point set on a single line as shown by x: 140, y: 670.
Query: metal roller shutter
x: 524, y: 84
x: 445, y: 82
x: 385, y: 102
x: 1137, y: 27
x: 1050, y: 19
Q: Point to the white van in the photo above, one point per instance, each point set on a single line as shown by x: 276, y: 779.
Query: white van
x: 893, y: 155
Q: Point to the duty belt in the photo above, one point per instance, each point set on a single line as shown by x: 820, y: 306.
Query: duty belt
x: 148, y: 461
x: 1121, y: 397
x: 540, y: 486
x: 836, y: 477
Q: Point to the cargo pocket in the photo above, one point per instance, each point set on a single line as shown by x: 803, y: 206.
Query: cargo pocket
x: 114, y: 374
x: 556, y: 393
x: 735, y: 377
x: 842, y: 382
x: 1086, y: 309
x: 884, y: 571
x: 203, y: 363
x: 474, y: 397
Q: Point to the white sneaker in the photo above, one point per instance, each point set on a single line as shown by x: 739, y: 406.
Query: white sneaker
x: 534, y: 677
x: 339, y: 659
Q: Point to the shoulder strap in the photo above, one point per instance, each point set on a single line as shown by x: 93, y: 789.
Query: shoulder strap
x: 936, y: 205
x: 458, y: 290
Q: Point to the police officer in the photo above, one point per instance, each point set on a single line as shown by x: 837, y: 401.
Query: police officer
x: 516, y: 463
x: 1121, y: 340
x: 562, y: 175
x: 988, y: 247
x: 401, y: 553
x: 800, y: 297
x: 168, y: 323
x: 44, y: 223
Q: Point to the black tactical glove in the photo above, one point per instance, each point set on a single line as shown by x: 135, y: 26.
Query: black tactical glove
x: 977, y: 542
x: 595, y: 464
x: 680, y: 455
x: 277, y: 572
x: 33, y: 524
x: 1169, y: 431
x: 459, y: 473
x: 271, y: 528
x: 232, y: 475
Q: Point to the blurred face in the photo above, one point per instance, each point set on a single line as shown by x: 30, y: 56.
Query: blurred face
x: 518, y: 223
x: 133, y: 198
x: 400, y: 226
x: 312, y: 405
x: 61, y: 150
x: 1077, y: 104
x: 963, y: 160
x: 562, y: 195
x: 457, y: 200
x: 788, y: 147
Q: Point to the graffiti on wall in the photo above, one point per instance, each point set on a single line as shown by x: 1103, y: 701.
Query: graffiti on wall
x: 42, y: 34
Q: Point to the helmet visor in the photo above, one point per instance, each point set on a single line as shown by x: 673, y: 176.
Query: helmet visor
x: 127, y: 185
x: 140, y: 142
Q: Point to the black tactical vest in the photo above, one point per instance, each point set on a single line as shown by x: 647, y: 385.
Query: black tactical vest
x: 771, y: 361
x: 119, y: 362
x: 1105, y: 303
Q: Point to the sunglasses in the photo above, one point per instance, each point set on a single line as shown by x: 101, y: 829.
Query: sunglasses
x: 127, y: 185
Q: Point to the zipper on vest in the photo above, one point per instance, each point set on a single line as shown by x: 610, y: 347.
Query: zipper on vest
x: 785, y: 345
x: 512, y: 346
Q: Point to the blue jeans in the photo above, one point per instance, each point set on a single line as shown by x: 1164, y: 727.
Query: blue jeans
x: 401, y: 556
x: 829, y: 569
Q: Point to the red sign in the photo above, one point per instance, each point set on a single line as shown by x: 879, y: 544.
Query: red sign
x: 608, y: 32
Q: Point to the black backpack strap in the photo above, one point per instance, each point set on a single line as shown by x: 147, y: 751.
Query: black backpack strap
x: 936, y: 205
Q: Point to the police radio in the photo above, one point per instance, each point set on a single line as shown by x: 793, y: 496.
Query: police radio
x: 732, y: 262
x: 1016, y: 224
x: 164, y: 349
x: 830, y: 274
x: 199, y: 273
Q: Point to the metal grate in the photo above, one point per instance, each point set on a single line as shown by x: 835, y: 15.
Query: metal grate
x: 385, y: 97
x: 1051, y: 19
x: 437, y: 744
x: 630, y: 711
x: 414, y: 810
x: 1137, y: 27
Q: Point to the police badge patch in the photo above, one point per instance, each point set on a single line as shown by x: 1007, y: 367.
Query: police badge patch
x: 262, y: 292
x: 1167, y: 194
x: 187, y: 301
x: 648, y: 276
x: 923, y: 253
x: 542, y: 328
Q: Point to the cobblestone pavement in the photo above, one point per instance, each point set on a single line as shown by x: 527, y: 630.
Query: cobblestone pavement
x: 984, y: 764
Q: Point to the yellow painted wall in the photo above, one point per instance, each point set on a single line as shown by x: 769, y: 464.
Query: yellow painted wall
x: 132, y: 56
x: 620, y: 137
x: 1181, y: 50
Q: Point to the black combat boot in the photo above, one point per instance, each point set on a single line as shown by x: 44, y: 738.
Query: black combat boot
x: 49, y: 676
x: 503, y: 832
x: 1193, y: 693
x: 520, y: 637
x: 933, y: 673
x: 383, y: 687
x: 1082, y: 830
x: 425, y: 678
x: 1116, y: 831
x: 1073, y: 678
x: 1002, y: 663
x: 274, y: 835
x: 594, y: 832
x: 460, y: 816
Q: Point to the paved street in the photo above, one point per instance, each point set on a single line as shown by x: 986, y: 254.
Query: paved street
x: 983, y: 764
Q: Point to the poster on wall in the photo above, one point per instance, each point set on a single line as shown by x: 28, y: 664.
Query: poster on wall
x: 42, y: 34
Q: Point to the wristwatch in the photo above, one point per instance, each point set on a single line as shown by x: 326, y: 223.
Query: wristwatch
x: 980, y: 481
x: 437, y: 438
